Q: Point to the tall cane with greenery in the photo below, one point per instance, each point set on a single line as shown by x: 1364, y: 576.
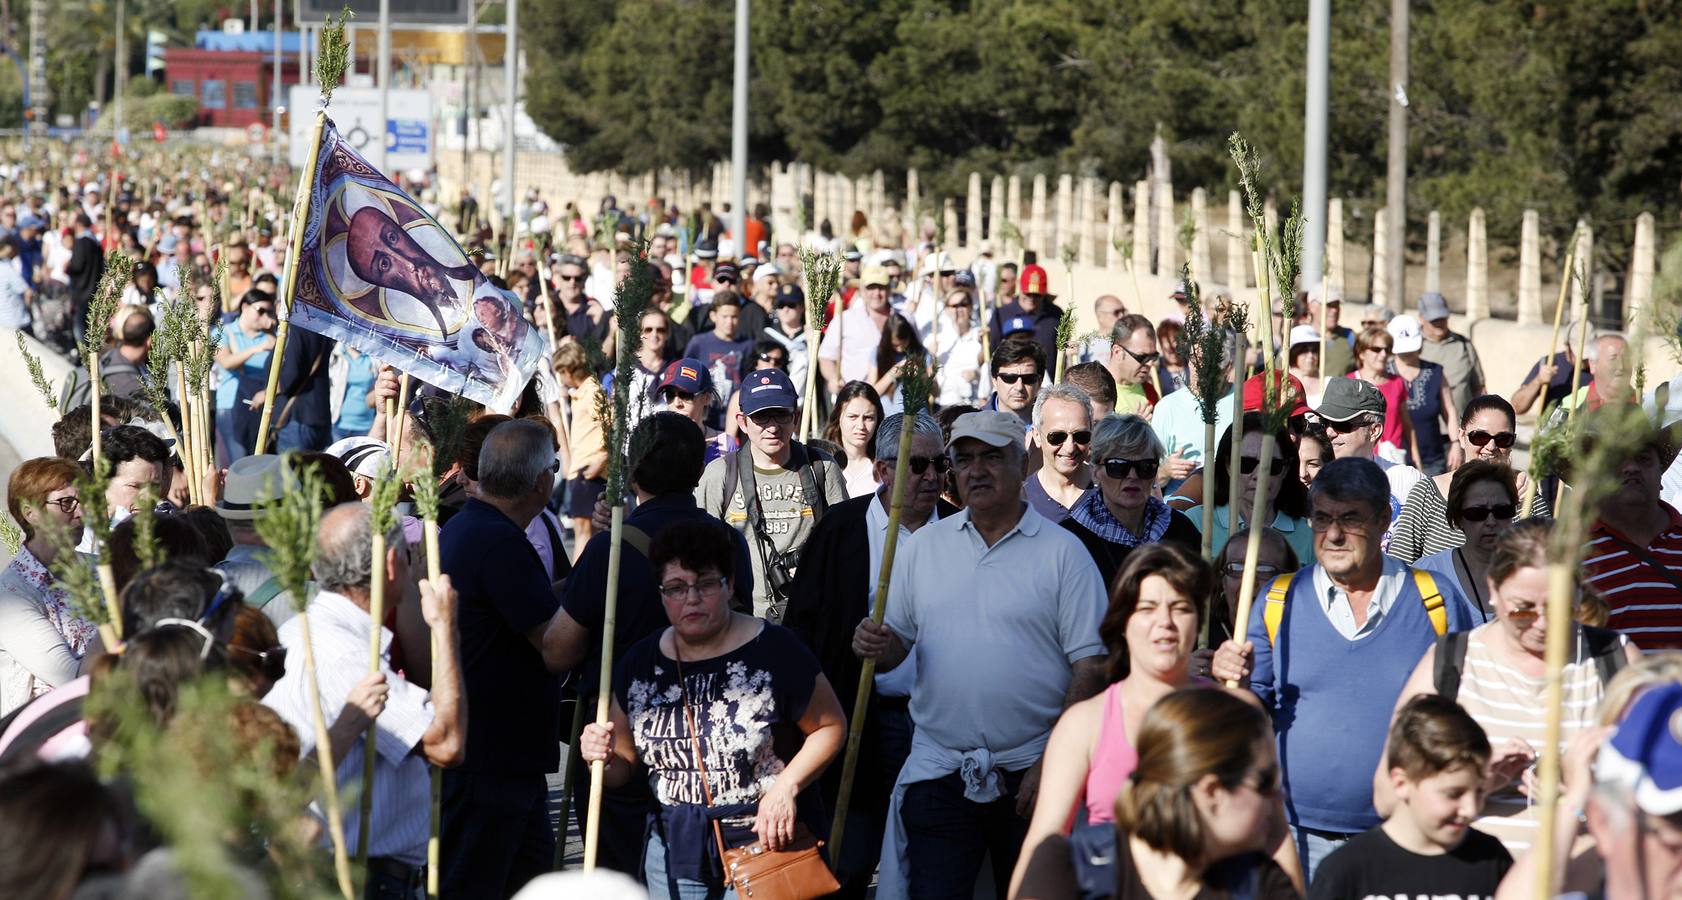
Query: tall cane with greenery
x: 425, y: 484
x: 1203, y: 344
x: 382, y: 510
x: 630, y: 299
x: 823, y: 279
x: 918, y: 385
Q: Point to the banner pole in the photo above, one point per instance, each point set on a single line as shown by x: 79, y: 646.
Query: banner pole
x: 289, y: 279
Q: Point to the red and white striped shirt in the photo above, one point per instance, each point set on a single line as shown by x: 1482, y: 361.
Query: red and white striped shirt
x: 1645, y: 605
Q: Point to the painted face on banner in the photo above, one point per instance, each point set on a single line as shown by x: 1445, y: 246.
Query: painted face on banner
x: 383, y: 254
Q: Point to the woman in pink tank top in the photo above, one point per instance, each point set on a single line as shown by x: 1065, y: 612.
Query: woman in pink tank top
x: 1150, y: 631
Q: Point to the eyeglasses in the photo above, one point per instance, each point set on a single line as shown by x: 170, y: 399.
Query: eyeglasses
x: 706, y: 588
x: 920, y: 464
x: 1348, y: 427
x: 726, y: 279
x: 66, y: 505
x: 1236, y: 570
x: 1056, y: 438
x: 570, y: 278
x: 1502, y: 511
x: 1248, y: 464
x: 775, y: 359
x: 1348, y: 523
x: 1119, y: 468
x: 653, y: 330
x: 1148, y: 359
x: 1503, y: 439
x: 1014, y: 377
x: 957, y: 306
x: 264, y: 311
x: 765, y: 418
x: 1383, y: 350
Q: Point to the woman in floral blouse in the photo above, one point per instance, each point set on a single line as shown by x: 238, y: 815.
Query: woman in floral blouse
x: 41, y: 640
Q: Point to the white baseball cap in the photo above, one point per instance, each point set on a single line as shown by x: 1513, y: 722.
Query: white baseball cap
x: 1405, y: 331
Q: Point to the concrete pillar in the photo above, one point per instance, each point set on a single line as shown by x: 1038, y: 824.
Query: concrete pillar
x: 949, y: 220
x: 1167, y: 232
x: 1334, y: 246
x: 1639, y: 290
x: 1202, y: 268
x: 1113, y: 241
x: 1237, y: 244
x: 1433, y: 252
x: 1477, y: 269
x: 913, y: 208
x: 1088, y: 228
x: 1142, y: 227
x: 1036, y: 222
x: 1013, y: 215
x: 879, y: 201
x: 1530, y: 270
x: 1066, y: 217
x: 995, y: 213
x: 838, y: 205
x: 1270, y: 215
x: 1381, y: 259
x: 972, y: 212
x: 849, y: 205
x: 1582, y: 273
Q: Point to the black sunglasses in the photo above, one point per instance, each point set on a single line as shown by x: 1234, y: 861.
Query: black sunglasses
x: 775, y: 359
x: 1014, y: 377
x: 1149, y: 359
x: 1056, y: 438
x: 920, y: 464
x: 1503, y: 511
x: 1248, y: 464
x: 1345, y: 427
x: 570, y: 277
x: 675, y: 394
x: 1503, y: 439
x: 1119, y: 468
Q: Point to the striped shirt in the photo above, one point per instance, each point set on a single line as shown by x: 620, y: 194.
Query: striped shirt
x: 1645, y: 604
x: 1509, y: 705
x: 402, y: 787
x: 1422, y: 528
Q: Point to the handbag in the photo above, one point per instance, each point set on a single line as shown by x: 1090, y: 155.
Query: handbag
x: 796, y: 872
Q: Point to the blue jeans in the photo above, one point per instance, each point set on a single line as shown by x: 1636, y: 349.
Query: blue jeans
x: 654, y: 872
x: 947, y: 835
x: 1314, y: 847
x: 340, y: 434
x: 304, y: 438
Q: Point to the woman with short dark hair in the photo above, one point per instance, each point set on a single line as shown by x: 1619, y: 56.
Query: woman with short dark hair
x: 42, y: 640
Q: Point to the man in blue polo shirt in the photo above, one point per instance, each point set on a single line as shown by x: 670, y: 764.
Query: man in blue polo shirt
x: 496, y: 833
x: 1328, y: 650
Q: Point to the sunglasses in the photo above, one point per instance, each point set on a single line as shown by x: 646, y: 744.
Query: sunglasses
x: 1248, y: 464
x: 775, y: 359
x: 675, y: 394
x: 653, y: 330
x: 1014, y: 377
x: 1056, y: 438
x: 1503, y: 439
x: 768, y: 417
x: 1148, y: 359
x: 725, y: 280
x: 957, y: 306
x: 1348, y: 427
x: 571, y: 278
x: 920, y: 464
x: 1502, y: 511
x: 1120, y: 468
x: 1236, y: 570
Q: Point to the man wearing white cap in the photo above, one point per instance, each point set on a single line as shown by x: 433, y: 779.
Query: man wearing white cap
x: 995, y: 581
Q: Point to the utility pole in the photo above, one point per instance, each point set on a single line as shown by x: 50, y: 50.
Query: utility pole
x: 274, y: 99
x: 511, y: 75
x: 739, y: 136
x: 38, y: 66
x: 1314, y: 143
x: 119, y: 67
x: 385, y: 84
x: 1397, y: 177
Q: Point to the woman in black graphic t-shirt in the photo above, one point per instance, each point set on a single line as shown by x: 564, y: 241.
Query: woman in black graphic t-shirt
x: 744, y: 694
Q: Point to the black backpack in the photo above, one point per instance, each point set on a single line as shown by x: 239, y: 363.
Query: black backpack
x: 1604, y: 648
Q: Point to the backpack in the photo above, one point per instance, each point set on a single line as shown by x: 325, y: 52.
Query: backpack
x: 1603, y: 647
x: 1279, y: 590
x: 1093, y: 849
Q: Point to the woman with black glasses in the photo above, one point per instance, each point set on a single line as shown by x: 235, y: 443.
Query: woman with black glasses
x: 1123, y: 511
x: 42, y: 641
x: 1285, y: 501
x: 1482, y: 502
x: 1488, y: 431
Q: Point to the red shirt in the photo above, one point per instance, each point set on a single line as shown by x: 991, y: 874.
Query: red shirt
x: 1644, y: 604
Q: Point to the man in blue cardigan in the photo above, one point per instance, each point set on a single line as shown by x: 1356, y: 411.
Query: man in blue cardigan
x: 1328, y: 649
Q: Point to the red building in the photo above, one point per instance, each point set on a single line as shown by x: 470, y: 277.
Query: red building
x: 232, y: 75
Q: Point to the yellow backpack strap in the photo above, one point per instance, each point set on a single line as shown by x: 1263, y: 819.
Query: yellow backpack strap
x: 1435, y: 606
x: 1273, y: 610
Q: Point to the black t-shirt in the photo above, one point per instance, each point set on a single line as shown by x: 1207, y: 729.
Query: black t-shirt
x: 1559, y: 387
x: 1374, y: 867
x: 502, y: 592
x: 1052, y: 873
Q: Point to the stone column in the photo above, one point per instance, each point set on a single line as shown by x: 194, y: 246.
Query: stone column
x: 995, y: 213
x: 1477, y: 269
x: 1202, y: 267
x: 1639, y: 292
x: 879, y: 201
x: 972, y: 212
x: 1066, y: 217
x: 1334, y: 247
x: 1167, y: 232
x: 1036, y: 223
x: 1112, y: 256
x: 1270, y: 215
x: 949, y: 219
x: 820, y: 198
x: 1381, y: 258
x: 1530, y: 270
x: 913, y: 209
x: 1433, y: 252
x: 1237, y: 244
x: 1582, y: 273
x: 1013, y: 215
x: 1088, y: 227
x: 1142, y: 227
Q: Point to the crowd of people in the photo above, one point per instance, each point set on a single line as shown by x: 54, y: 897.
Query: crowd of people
x: 1065, y: 701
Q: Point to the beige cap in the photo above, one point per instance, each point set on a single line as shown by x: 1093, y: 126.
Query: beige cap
x: 990, y: 426
x: 875, y: 275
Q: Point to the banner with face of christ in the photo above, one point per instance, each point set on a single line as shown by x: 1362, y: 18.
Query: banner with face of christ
x: 383, y: 276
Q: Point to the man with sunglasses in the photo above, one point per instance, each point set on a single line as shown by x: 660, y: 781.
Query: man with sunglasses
x: 1352, y: 412
x: 833, y: 590
x: 774, y: 490
x: 1326, y: 659
x: 1038, y: 305
x: 419, y: 726
x: 1062, y: 435
x: 1133, y: 355
x: 1018, y: 367
x: 585, y: 319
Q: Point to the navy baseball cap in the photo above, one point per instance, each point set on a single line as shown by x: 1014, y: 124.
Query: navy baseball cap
x: 790, y: 295
x: 768, y: 389
x: 688, y: 375
x: 1645, y: 754
x: 1018, y: 325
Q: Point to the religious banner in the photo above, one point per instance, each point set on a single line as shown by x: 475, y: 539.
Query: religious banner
x: 383, y: 276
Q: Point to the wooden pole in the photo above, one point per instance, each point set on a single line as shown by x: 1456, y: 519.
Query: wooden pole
x: 1235, y: 473
x: 1209, y: 476
x: 1560, y: 591
x: 434, y: 571
x: 1571, y: 411
x: 324, y: 756
x: 610, y: 619
x: 289, y: 280
x: 1559, y: 305
x: 398, y: 419
x: 370, y: 754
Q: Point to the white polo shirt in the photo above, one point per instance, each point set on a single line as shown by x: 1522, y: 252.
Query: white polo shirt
x: 857, y: 345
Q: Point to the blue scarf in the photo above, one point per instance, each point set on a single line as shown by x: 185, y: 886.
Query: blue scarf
x: 1091, y: 513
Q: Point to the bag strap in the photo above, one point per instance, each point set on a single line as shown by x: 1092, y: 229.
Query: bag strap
x: 1606, y: 648
x: 1273, y: 609
x: 700, y: 758
x: 1450, y: 662
x: 811, y: 479
x: 1436, y: 608
x: 637, y: 538
x: 265, y: 592
x: 1647, y: 559
x: 286, y: 410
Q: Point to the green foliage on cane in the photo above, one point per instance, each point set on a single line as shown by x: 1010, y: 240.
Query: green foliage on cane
x: 75, y: 572
x: 1011, y: 233
x: 423, y: 486
x: 1069, y: 254
x: 11, y: 535
x: 332, y: 54
x: 37, y: 375
x: 1203, y: 344
x: 1249, y: 177
x: 382, y: 500
x: 1065, y: 330
x: 446, y: 419
x: 1187, y: 233
x: 146, y: 547
x: 1285, y: 259
x: 1124, y: 247
x: 629, y: 301
x: 823, y: 279
x: 165, y: 351
x: 288, y: 524
x: 107, y: 297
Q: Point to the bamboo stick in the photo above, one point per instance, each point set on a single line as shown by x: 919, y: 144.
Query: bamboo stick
x: 370, y: 754
x: 1560, y: 591
x: 324, y: 756
x: 1209, y: 476
x: 289, y: 280
x: 610, y: 621
x: 399, y: 419
x: 1252, y: 548
x: 1559, y: 305
x: 434, y: 571
x: 1571, y: 411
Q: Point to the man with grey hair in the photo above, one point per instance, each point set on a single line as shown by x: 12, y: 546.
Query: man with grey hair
x: 994, y: 582
x: 418, y: 727
x: 496, y: 819
x: 1058, y: 441
x: 1310, y: 632
x: 834, y: 587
